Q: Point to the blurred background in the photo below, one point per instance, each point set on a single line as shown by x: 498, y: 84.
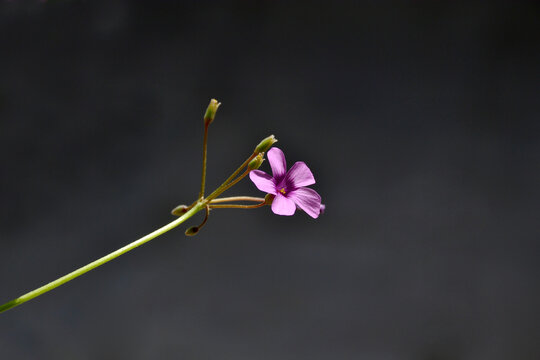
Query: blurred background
x: 420, y: 122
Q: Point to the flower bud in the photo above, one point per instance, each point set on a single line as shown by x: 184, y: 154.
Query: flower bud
x: 256, y: 162
x: 192, y: 231
x: 265, y: 144
x: 180, y: 210
x: 269, y: 198
x: 211, y: 111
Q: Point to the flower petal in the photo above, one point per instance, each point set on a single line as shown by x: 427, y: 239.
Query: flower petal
x: 283, y: 206
x: 263, y: 181
x: 276, y: 158
x: 299, y: 175
x: 308, y: 200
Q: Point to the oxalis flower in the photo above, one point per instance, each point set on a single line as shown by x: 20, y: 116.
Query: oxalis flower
x: 288, y: 187
x: 286, y: 191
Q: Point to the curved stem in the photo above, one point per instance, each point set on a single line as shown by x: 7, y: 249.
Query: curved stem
x: 72, y: 275
x: 236, y: 206
x: 207, y: 208
x: 236, y: 198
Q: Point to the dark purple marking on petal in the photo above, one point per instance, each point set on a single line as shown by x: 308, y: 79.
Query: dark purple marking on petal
x: 308, y: 200
x: 299, y: 175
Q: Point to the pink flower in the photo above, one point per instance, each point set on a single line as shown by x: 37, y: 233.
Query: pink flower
x: 288, y: 187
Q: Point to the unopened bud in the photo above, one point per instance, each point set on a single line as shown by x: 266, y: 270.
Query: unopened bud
x: 192, y: 231
x: 269, y: 198
x: 256, y: 162
x: 265, y: 144
x: 211, y: 111
x: 180, y: 210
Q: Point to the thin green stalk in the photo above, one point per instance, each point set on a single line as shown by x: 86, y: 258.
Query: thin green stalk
x: 64, y: 279
x: 223, y: 186
x: 226, y: 183
x: 203, y: 178
x: 236, y: 198
x: 237, y: 171
x: 236, y: 206
x: 261, y: 202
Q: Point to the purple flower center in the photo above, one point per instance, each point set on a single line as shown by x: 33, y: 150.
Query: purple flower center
x: 284, y: 185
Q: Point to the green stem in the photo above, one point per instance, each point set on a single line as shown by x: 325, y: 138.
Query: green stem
x: 203, y: 177
x: 236, y: 206
x: 64, y: 279
x: 261, y: 202
x: 236, y: 198
x: 225, y: 184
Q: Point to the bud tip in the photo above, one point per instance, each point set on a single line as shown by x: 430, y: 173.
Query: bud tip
x: 265, y: 144
x: 180, y: 210
x: 211, y: 111
x: 256, y: 162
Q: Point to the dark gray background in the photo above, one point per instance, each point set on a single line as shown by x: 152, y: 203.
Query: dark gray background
x: 419, y: 121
